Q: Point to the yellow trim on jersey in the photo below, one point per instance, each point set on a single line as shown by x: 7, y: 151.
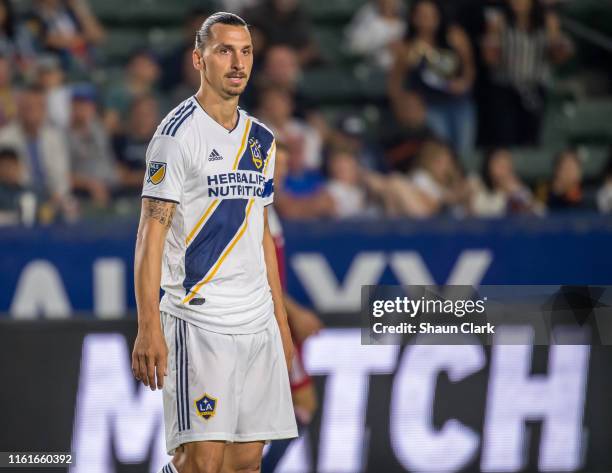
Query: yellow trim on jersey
x: 269, y: 156
x: 219, y: 262
x: 201, y: 221
x: 247, y: 129
x: 191, y: 235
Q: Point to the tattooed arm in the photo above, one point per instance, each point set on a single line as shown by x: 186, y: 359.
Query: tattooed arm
x: 150, y: 352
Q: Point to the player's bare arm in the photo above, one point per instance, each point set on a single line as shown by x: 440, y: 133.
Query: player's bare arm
x: 149, y: 358
x: 277, y: 292
x: 302, y: 321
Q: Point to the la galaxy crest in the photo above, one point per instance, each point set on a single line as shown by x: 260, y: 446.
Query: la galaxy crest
x: 255, y: 148
x: 206, y: 406
x: 156, y: 172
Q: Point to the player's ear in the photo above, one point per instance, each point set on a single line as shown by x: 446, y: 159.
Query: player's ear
x: 198, y: 62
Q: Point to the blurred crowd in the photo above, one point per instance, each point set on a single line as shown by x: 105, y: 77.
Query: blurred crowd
x: 73, y: 146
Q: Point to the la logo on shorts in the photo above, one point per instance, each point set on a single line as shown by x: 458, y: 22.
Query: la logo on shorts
x: 206, y: 406
x: 156, y: 172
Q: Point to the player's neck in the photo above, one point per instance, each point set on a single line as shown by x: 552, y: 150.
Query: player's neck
x: 223, y: 111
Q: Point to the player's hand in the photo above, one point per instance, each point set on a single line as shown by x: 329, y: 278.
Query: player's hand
x: 150, y: 357
x: 287, y: 345
x: 305, y: 324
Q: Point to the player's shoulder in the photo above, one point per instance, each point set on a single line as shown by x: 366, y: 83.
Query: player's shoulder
x: 261, y: 127
x: 179, y: 121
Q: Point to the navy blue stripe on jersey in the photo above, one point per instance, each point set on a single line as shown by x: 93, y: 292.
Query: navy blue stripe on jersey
x: 176, y: 371
x: 186, y: 385
x: 268, y: 189
x: 207, y: 247
x: 174, y: 118
x: 248, y: 160
x: 165, y: 470
x: 187, y: 113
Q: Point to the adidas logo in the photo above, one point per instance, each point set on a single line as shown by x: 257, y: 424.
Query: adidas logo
x: 214, y: 156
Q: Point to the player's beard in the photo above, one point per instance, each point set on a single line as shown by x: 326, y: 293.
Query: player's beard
x: 233, y: 92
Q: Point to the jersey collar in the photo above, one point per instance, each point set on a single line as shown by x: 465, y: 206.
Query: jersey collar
x: 215, y: 121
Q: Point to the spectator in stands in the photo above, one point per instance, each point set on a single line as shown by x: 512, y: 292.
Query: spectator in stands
x: 439, y: 179
x: 172, y: 64
x: 190, y: 80
x: 141, y: 78
x: 303, y: 140
x: 68, y: 28
x: 346, y: 186
x: 404, y: 137
x: 566, y: 187
x: 289, y: 204
x: 280, y: 69
x: 436, y: 185
x: 131, y: 146
x: 15, y: 40
x: 275, y: 22
x: 11, y: 185
x: 51, y: 78
x: 42, y: 150
x: 604, y: 194
x: 521, y: 44
x: 436, y: 61
x: 500, y: 190
x: 376, y: 27
x: 8, y: 100
x: 350, y: 132
x: 93, y: 165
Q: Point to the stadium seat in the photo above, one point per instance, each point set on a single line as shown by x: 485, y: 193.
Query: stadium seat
x: 331, y: 85
x: 122, y: 42
x: 145, y: 12
x: 580, y: 122
x: 337, y: 11
x: 331, y: 44
x: 594, y: 13
x: 536, y: 164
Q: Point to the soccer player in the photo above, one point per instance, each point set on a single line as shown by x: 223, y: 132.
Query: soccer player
x: 218, y: 343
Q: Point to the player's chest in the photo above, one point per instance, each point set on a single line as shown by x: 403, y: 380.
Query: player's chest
x: 231, y: 169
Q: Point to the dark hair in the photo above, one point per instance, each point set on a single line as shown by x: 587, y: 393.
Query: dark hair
x: 485, y: 170
x: 562, y: 155
x: 8, y: 154
x: 9, y: 23
x: 222, y: 17
x: 33, y: 88
x: 537, y: 16
x: 441, y: 38
x: 607, y: 170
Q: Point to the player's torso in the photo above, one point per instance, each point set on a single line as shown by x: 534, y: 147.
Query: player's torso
x: 217, y: 233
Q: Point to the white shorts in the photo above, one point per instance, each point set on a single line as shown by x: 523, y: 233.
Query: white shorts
x: 225, y: 387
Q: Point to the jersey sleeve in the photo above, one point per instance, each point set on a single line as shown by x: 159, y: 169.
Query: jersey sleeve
x: 166, y: 169
x: 268, y: 192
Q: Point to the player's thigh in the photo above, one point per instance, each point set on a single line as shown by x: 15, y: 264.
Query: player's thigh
x: 200, y: 457
x: 242, y: 457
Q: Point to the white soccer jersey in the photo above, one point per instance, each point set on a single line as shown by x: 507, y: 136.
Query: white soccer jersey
x: 213, y: 268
